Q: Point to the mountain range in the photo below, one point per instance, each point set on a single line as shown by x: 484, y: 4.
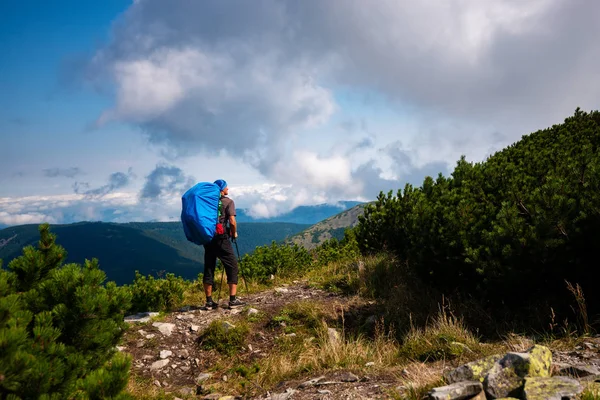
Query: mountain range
x: 156, y: 248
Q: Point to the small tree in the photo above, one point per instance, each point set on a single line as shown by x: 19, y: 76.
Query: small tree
x: 59, y: 325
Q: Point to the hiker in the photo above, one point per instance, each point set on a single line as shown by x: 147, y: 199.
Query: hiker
x: 221, y: 247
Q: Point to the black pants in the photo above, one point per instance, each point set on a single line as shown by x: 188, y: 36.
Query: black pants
x: 220, y: 247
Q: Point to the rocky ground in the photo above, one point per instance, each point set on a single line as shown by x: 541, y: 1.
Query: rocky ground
x: 166, y: 354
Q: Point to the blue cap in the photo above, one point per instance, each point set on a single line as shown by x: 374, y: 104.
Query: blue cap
x: 221, y: 184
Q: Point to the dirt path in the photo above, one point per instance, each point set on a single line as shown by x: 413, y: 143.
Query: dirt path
x: 166, y: 353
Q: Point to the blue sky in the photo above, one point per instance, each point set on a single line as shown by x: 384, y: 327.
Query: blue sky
x: 293, y: 103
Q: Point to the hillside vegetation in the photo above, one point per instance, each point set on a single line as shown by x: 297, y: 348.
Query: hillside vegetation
x: 510, y: 230
x: 493, y: 259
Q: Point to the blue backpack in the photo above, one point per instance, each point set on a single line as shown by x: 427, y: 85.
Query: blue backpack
x: 200, y: 212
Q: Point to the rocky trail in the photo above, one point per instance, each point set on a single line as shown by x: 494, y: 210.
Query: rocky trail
x: 167, y: 356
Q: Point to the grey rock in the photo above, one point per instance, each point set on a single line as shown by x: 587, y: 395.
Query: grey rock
x: 473, y: 371
x: 507, y: 376
x: 252, y: 311
x: 456, y: 391
x: 159, y: 364
x: 282, y: 290
x: 157, y: 383
x: 227, y: 325
x: 164, y: 327
x: 334, y: 336
x: 551, y: 388
x: 202, y: 377
x: 212, y: 396
x: 311, y: 382
x: 165, y: 354
x: 348, y: 377
x: 369, y: 364
x: 140, y: 317
x: 194, y: 328
x: 579, y: 371
x: 283, y: 396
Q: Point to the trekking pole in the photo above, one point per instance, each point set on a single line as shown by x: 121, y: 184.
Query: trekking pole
x: 219, y: 289
x: 240, y: 265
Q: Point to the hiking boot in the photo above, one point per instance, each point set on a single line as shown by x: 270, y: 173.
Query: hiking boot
x: 236, y: 303
x: 210, y: 305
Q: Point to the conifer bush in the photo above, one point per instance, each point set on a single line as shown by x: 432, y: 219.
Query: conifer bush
x: 150, y: 294
x: 507, y: 230
x: 59, y: 327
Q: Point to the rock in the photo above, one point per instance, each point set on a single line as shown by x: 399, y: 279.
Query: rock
x: 473, y: 371
x: 588, y: 345
x: 227, y: 325
x: 164, y: 327
x: 186, y: 391
x: 551, y: 388
x: 147, y: 357
x: 150, y: 335
x: 202, y: 377
x: 227, y: 398
x: 121, y: 348
x: 324, y: 391
x: 183, y: 354
x: 283, y: 396
x: 157, y: 383
x: 252, y: 311
x: 166, y: 353
x: 140, y: 317
x: 291, y: 334
x: 369, y: 364
x: 281, y: 290
x: 507, y: 375
x: 212, y: 396
x: 334, y: 336
x: 348, y: 377
x: 456, y: 391
x: 579, y: 371
x: 224, y: 378
x: 194, y: 328
x: 159, y: 364
x: 310, y: 382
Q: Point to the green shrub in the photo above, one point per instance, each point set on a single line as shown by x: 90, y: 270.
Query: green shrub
x: 277, y: 259
x: 528, y: 214
x: 150, y: 294
x: 59, y: 326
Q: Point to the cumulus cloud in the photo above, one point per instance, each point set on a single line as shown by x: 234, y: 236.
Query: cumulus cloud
x: 166, y: 181
x: 250, y: 78
x: 116, y: 180
x: 71, y: 172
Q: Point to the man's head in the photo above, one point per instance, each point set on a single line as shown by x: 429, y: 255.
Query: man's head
x: 222, y: 186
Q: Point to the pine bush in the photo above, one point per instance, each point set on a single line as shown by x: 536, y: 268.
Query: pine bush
x: 59, y: 327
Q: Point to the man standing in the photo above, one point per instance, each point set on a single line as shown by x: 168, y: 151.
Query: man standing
x: 220, y: 247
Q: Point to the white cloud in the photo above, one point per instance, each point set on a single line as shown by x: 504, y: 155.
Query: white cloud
x: 265, y: 82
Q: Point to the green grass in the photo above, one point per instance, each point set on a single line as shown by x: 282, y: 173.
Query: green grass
x: 227, y: 341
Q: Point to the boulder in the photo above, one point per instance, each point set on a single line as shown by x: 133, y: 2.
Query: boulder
x: 508, y: 374
x: 456, y: 391
x: 551, y: 388
x: 473, y: 371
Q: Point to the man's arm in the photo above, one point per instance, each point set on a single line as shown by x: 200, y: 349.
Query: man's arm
x: 233, y: 226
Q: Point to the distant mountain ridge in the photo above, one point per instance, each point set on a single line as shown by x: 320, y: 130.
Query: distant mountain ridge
x: 153, y: 248
x: 302, y: 214
x: 332, y: 227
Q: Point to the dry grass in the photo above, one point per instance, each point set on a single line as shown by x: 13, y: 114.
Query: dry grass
x: 326, y: 353
x: 446, y: 337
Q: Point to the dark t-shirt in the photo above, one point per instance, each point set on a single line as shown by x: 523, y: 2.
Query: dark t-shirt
x: 227, y: 211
